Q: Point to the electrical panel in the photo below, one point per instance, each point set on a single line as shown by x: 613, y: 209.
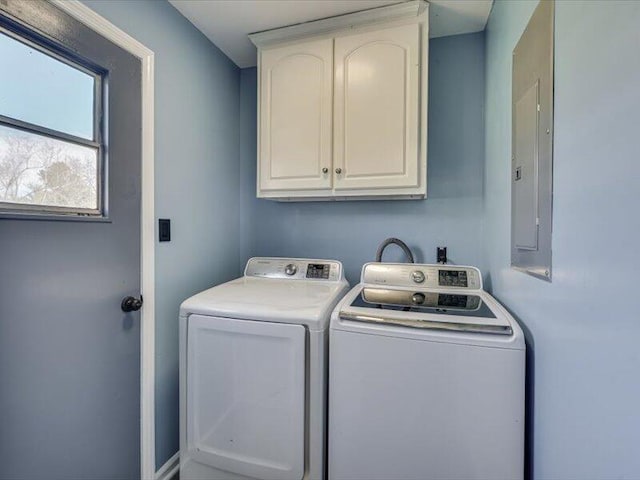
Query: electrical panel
x: 532, y: 145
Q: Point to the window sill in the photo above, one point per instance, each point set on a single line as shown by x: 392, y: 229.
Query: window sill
x: 54, y: 217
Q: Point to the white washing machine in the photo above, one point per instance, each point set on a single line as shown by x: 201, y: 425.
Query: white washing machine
x: 426, y: 378
x: 253, y: 372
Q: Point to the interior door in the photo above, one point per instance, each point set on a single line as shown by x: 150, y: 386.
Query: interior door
x: 69, y: 355
x: 245, y: 396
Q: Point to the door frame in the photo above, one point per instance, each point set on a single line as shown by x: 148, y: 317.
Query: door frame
x: 117, y: 36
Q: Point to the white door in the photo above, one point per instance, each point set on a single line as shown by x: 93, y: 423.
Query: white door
x: 246, y: 396
x: 295, y: 116
x: 376, y: 109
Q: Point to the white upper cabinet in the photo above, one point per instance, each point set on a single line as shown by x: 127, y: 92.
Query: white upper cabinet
x: 343, y: 106
x: 295, y: 120
x: 376, y: 107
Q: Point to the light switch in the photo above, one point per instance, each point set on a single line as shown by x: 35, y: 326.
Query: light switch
x: 164, y: 229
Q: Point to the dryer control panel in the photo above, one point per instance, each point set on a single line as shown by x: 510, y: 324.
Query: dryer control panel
x: 422, y: 276
x: 294, y: 269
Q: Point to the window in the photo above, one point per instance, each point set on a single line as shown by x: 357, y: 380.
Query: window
x: 51, y: 139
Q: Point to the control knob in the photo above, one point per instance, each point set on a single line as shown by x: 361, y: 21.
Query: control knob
x: 290, y: 269
x: 417, y: 276
x: 418, y: 298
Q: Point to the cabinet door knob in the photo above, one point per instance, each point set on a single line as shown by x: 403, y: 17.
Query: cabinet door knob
x: 325, y: 170
x: 338, y: 170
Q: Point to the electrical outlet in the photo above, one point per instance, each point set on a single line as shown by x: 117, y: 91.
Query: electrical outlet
x: 441, y: 254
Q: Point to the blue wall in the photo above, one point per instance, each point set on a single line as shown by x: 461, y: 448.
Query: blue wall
x: 584, y: 327
x: 196, y: 177
x: 351, y: 231
x: 583, y: 376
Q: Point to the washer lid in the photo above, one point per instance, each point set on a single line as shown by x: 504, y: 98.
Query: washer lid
x: 304, y: 302
x: 438, y: 310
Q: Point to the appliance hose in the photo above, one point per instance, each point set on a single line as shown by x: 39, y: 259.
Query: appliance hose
x: 398, y: 242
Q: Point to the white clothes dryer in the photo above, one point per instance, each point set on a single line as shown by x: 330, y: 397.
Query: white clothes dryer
x: 426, y: 378
x: 253, y: 372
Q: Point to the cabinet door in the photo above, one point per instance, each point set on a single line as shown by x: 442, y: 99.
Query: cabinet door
x: 376, y: 109
x: 296, y: 85
x: 245, y: 397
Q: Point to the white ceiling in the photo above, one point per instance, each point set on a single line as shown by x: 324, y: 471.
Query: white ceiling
x: 228, y: 22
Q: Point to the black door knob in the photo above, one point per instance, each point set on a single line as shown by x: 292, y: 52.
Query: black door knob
x: 131, y: 304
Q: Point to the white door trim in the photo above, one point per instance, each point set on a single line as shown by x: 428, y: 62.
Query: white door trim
x: 147, y: 255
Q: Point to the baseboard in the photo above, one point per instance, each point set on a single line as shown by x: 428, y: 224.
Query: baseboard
x: 169, y: 469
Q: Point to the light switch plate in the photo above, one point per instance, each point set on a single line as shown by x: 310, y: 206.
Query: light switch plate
x: 164, y: 230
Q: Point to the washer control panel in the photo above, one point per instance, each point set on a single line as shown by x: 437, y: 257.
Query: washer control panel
x: 425, y: 276
x: 294, y: 269
x: 319, y: 270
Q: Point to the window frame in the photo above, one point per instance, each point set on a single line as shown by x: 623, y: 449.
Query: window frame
x: 52, y: 49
